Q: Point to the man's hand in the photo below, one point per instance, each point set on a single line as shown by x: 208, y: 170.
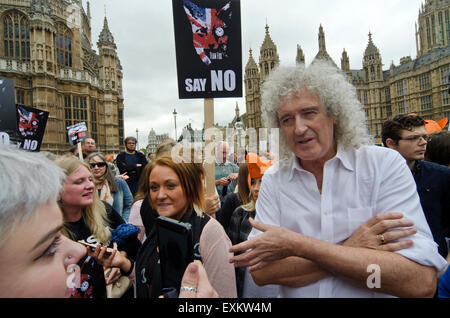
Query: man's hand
x: 212, y: 204
x: 223, y: 182
x: 123, y: 176
x: 273, y: 244
x: 368, y: 235
x: 232, y: 176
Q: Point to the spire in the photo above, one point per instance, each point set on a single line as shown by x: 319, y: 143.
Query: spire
x: 372, y: 62
x: 371, y: 49
x: 322, y: 46
x: 345, y: 62
x: 300, y: 56
x: 106, y: 37
x: 237, y: 110
x: 268, y: 43
x: 89, y: 11
x: 323, y: 54
x: 251, y: 64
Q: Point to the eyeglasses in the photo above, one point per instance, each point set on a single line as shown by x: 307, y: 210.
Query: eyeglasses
x: 416, y: 138
x: 98, y: 164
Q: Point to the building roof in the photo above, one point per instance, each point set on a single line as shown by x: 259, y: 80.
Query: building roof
x: 106, y: 37
x: 251, y: 64
x: 429, y: 58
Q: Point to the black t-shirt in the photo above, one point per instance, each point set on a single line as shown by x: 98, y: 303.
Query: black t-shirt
x: 92, y: 284
x: 230, y: 204
x: 80, y: 230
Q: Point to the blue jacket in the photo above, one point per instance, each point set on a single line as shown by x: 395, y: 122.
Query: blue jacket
x: 122, y: 199
x: 444, y: 285
x: 433, y: 186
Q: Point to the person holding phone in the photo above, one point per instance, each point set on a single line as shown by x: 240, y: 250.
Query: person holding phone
x: 113, y: 190
x: 91, y: 220
x: 174, y: 190
x: 39, y: 261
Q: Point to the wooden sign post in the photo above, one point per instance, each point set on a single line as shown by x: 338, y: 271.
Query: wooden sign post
x: 210, y: 168
x: 209, y: 60
x: 80, y: 151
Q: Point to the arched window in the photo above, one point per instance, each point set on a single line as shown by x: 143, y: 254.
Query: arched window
x: 16, y: 36
x: 63, y: 45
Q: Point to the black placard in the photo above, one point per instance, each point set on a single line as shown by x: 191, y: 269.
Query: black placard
x: 31, y: 124
x: 208, y: 48
x: 8, y: 122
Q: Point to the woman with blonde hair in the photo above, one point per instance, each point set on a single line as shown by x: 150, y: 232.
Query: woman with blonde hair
x: 87, y: 218
x: 111, y: 189
x: 176, y: 191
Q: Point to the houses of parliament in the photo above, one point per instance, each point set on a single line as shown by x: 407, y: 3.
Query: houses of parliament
x: 418, y: 85
x: 46, y: 48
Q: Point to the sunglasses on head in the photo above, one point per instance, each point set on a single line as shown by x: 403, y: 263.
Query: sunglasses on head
x: 98, y: 164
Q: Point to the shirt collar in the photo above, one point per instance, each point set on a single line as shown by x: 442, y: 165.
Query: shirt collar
x: 342, y: 155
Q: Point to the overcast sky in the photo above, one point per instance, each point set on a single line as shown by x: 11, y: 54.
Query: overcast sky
x: 144, y: 34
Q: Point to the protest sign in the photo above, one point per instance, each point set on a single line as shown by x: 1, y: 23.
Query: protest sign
x: 77, y: 133
x: 8, y: 123
x: 208, y: 48
x: 31, y: 124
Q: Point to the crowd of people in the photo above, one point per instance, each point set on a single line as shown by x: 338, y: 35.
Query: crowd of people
x: 308, y: 223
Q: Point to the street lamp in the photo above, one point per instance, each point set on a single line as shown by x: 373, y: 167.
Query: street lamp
x: 175, y: 119
x: 239, y: 126
x: 137, y: 139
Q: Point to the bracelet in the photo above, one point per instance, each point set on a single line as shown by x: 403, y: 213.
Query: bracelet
x: 129, y: 271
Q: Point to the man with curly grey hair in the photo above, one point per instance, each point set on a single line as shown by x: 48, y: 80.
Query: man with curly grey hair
x: 337, y: 213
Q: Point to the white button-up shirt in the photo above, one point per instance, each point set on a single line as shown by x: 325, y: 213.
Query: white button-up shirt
x: 357, y: 185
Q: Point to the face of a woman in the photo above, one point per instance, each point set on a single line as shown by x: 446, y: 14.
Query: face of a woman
x: 166, y: 193
x: 78, y: 190
x: 256, y: 185
x: 98, y: 167
x: 37, y: 259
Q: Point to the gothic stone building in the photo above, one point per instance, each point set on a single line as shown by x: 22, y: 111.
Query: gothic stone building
x: 414, y: 86
x: 46, y: 48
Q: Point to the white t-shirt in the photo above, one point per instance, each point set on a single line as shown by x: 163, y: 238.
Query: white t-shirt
x: 357, y: 185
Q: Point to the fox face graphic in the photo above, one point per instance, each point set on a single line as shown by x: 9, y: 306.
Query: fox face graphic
x: 209, y: 30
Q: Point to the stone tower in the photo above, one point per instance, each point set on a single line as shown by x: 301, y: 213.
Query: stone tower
x: 268, y: 58
x: 110, y: 73
x: 46, y: 48
x: 372, y: 65
x: 433, y: 29
x: 252, y: 80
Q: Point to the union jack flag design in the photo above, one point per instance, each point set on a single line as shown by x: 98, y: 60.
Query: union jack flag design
x: 209, y: 30
x: 28, y: 122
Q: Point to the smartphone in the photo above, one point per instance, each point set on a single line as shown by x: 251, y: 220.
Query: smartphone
x: 175, y: 250
x: 93, y: 246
